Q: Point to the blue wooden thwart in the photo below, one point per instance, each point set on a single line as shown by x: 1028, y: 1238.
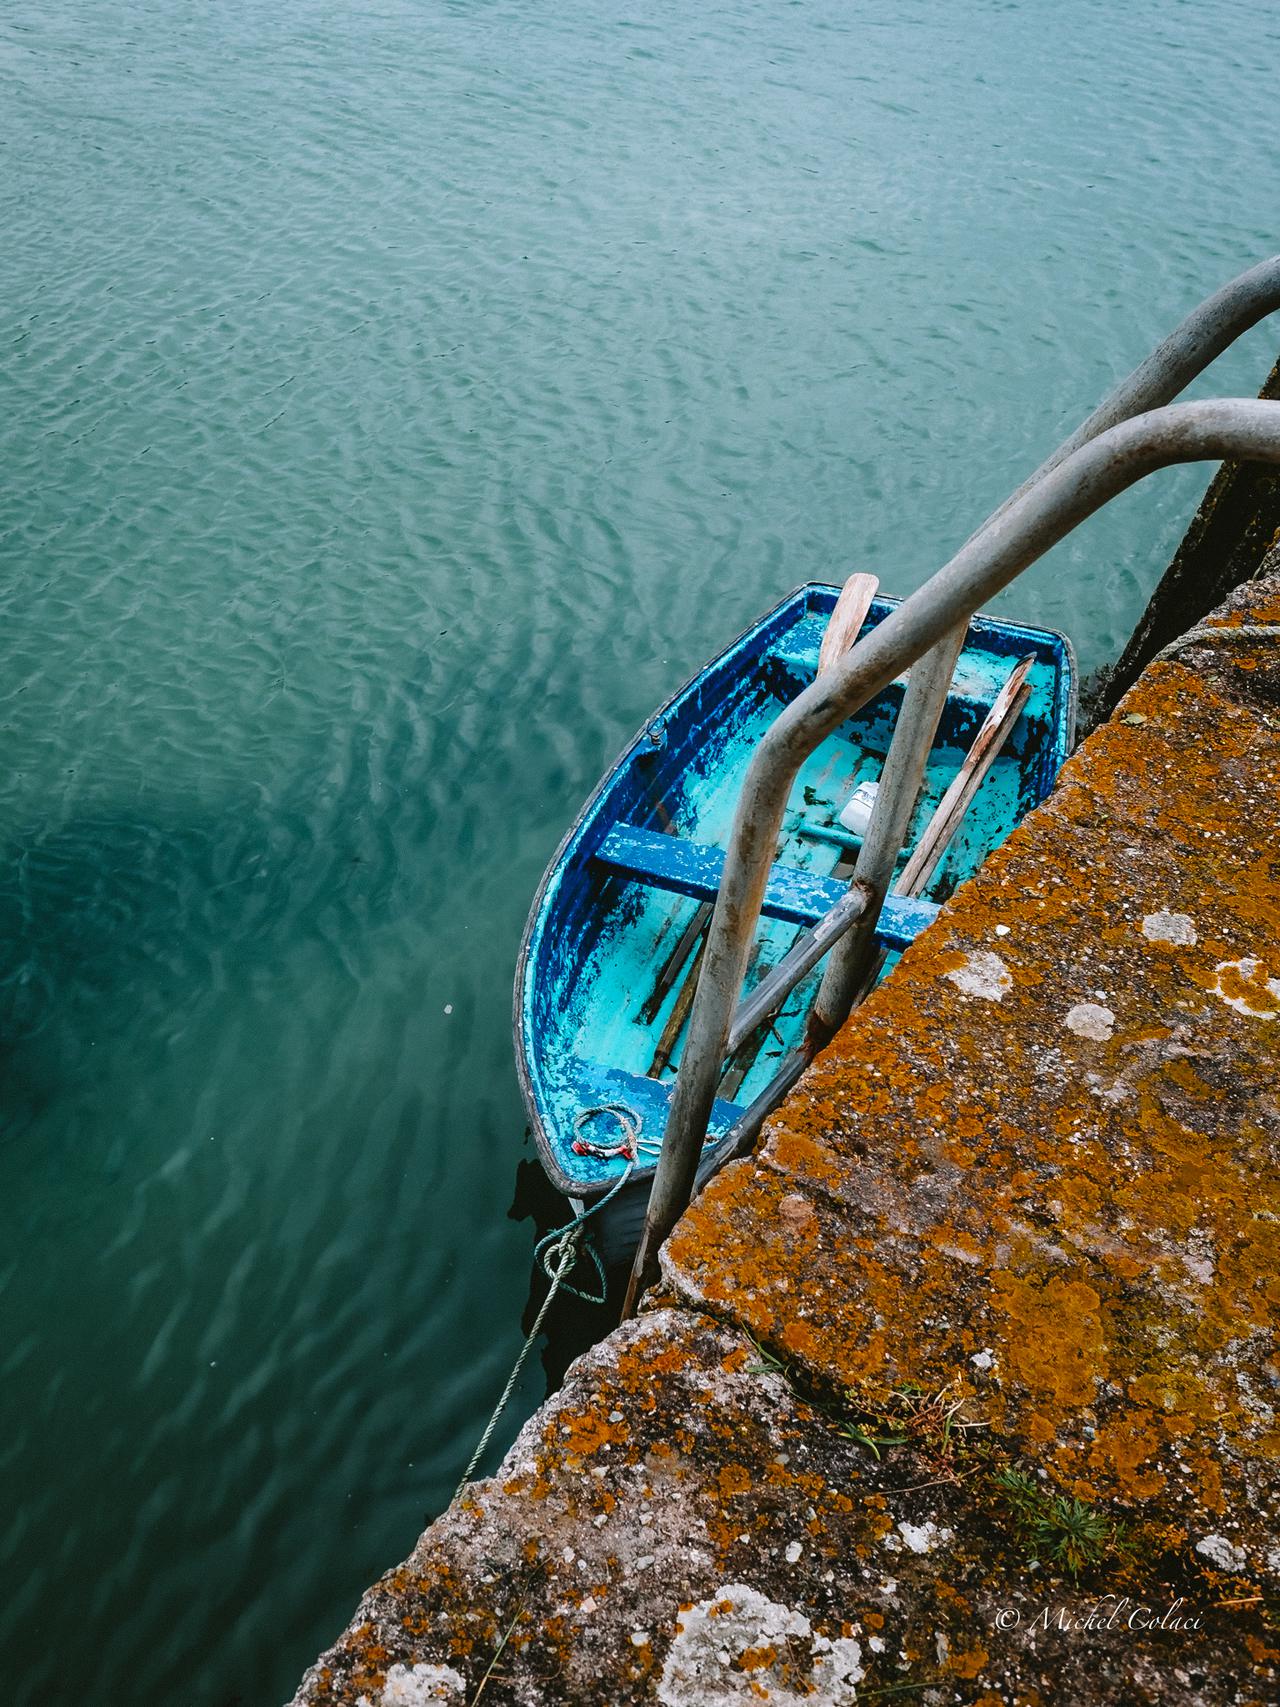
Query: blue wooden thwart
x: 689, y: 868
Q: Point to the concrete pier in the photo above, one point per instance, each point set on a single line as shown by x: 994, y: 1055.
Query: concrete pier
x: 965, y: 1387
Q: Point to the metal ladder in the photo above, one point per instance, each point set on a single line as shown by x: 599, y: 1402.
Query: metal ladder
x: 1134, y: 432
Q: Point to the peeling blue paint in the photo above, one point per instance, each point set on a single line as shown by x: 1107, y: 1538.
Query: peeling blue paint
x: 798, y: 897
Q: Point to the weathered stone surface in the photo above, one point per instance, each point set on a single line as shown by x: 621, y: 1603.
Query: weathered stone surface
x: 1009, y: 1253
x: 678, y: 1526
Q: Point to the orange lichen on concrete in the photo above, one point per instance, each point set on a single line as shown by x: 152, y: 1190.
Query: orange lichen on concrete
x: 1054, y: 1337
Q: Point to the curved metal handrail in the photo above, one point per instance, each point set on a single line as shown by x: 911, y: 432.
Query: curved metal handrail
x: 1068, y: 489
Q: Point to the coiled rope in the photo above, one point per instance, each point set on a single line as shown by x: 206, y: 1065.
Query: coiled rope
x: 560, y: 1249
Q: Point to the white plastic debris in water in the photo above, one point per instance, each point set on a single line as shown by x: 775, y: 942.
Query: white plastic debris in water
x: 856, y: 816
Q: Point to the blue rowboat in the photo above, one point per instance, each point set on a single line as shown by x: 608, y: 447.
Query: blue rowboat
x: 609, y: 956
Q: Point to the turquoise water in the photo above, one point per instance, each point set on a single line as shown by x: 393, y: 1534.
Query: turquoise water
x: 397, y: 400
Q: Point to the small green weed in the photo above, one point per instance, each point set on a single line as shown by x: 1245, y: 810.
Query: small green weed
x: 1057, y: 1527
x: 768, y: 1364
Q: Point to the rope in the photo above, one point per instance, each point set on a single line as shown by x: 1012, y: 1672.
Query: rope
x: 1194, y: 636
x: 627, y: 1119
x: 568, y: 1256
x: 557, y: 1253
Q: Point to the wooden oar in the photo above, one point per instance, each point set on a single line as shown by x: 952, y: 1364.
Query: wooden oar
x: 843, y: 627
x: 948, y: 815
x: 678, y: 1015
x: 674, y: 964
x: 744, y: 1057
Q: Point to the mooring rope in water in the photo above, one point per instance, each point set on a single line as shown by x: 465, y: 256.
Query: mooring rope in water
x: 559, y: 1251
x: 568, y: 1256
